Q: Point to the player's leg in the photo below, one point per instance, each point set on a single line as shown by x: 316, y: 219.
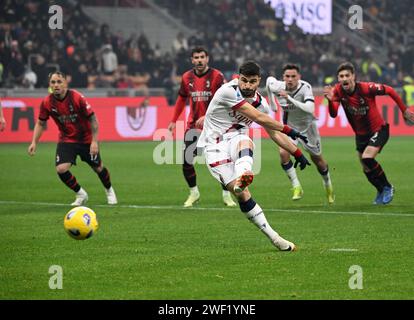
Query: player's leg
x: 323, y: 170
x: 221, y: 165
x: 95, y: 162
x: 376, y: 175
x: 255, y: 214
x: 190, y: 176
x: 104, y: 176
x: 314, y: 147
x: 241, y: 149
x: 65, y: 157
x: 242, y: 154
x: 287, y: 166
x: 373, y: 170
x: 227, y: 198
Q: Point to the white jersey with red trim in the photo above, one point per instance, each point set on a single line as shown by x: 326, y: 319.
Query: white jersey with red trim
x: 222, y: 121
x: 292, y: 115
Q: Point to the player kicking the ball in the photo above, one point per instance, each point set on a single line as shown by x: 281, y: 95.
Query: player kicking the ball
x: 229, y: 150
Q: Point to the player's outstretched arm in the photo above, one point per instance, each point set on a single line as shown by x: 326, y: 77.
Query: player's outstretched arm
x: 333, y: 105
x: 407, y: 112
x: 37, y: 133
x: 94, y: 148
x: 272, y: 87
x: 268, y: 123
x: 178, y: 109
x: 200, y: 123
x: 409, y: 115
x: 260, y: 118
x: 308, y: 106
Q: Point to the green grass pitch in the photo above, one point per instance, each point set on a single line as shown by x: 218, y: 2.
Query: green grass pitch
x: 149, y: 247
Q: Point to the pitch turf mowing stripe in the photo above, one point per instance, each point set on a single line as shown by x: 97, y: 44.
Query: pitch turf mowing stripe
x: 382, y: 214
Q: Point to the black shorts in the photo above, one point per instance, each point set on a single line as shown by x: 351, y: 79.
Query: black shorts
x: 190, y: 145
x: 378, y: 139
x: 67, y: 153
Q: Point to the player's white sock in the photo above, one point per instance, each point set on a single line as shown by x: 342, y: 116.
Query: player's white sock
x: 226, y: 193
x: 291, y: 173
x: 243, y: 164
x: 255, y: 214
x: 326, y: 177
x: 194, y: 190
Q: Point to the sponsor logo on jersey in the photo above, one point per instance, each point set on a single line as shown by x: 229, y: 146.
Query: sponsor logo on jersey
x: 197, y: 96
x: 240, y: 118
x: 67, y: 118
x: 361, y: 111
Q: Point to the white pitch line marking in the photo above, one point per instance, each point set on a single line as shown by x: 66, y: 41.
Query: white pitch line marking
x: 343, y: 250
x: 383, y: 214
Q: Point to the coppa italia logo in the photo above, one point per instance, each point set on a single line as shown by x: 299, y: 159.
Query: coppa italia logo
x: 133, y: 122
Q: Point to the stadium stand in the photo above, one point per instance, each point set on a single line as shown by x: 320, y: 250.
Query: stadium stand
x: 95, y: 56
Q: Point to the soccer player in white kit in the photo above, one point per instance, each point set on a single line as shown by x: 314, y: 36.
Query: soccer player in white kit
x: 229, y: 150
x: 295, y: 97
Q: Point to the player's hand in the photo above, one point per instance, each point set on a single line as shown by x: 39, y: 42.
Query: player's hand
x: 301, y: 136
x: 409, y: 115
x: 171, y: 126
x: 200, y: 123
x: 32, y: 149
x: 2, y: 123
x: 328, y: 92
x: 94, y: 149
x: 302, y: 162
x: 282, y: 94
x: 294, y: 134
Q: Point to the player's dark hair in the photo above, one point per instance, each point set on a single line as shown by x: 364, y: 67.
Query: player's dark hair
x: 291, y: 66
x: 346, y: 66
x: 250, y: 68
x: 199, y: 50
x: 59, y: 73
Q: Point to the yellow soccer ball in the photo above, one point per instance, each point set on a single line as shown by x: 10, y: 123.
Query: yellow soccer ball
x: 80, y: 223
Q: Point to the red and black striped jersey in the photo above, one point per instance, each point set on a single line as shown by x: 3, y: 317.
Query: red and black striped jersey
x: 71, y: 115
x: 199, y: 89
x: 360, y: 106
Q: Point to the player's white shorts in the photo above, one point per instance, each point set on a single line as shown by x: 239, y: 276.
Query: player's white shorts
x: 221, y: 158
x: 314, y: 145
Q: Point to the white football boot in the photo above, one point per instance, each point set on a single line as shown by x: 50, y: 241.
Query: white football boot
x: 283, y: 244
x: 111, y: 196
x: 228, y: 200
x: 192, y: 198
x: 81, y: 198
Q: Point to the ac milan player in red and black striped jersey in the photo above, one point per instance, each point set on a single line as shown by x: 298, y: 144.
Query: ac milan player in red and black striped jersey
x: 372, y: 132
x: 198, y: 85
x: 78, y: 136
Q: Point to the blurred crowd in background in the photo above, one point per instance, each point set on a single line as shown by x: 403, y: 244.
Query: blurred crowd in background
x: 95, y: 56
